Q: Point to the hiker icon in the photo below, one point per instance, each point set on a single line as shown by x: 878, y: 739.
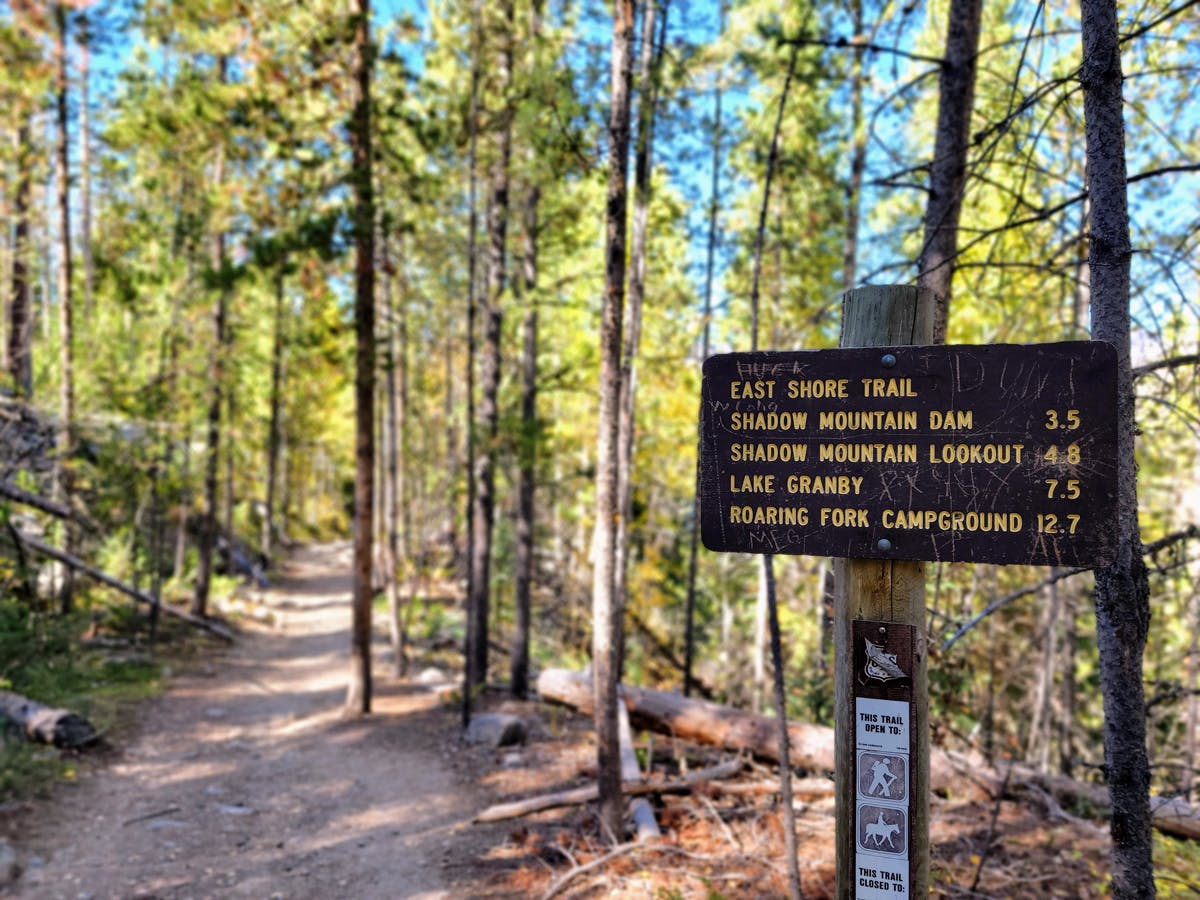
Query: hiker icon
x: 883, y: 776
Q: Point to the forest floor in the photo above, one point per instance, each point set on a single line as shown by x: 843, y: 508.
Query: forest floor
x: 246, y: 779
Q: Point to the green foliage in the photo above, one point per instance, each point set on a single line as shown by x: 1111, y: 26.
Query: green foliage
x: 1176, y: 864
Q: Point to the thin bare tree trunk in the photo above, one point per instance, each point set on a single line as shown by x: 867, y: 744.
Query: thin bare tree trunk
x: 489, y: 410
x: 526, y: 483
x: 66, y: 331
x: 1037, y: 745
x: 227, y: 498
x: 274, y: 428
x: 766, y: 596
x: 84, y: 40
x: 858, y: 154
x: 216, y: 378
x: 714, y: 206
x: 648, y: 70
x: 1122, y: 588
x: 948, y: 170
x: 20, y: 363
x: 1191, y: 682
x: 472, y: 304
x: 395, y: 412
x: 607, y: 616
x: 358, y: 692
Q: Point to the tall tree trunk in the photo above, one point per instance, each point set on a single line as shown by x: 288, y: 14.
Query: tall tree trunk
x: 489, y: 410
x: 395, y: 459
x: 858, y: 153
x: 948, y: 170
x: 1066, y: 720
x: 1191, y: 681
x: 66, y: 332
x: 607, y: 616
x: 526, y: 479
x: 1037, y: 745
x: 274, y: 428
x: 358, y: 692
x: 228, y: 501
x: 714, y: 207
x: 1122, y: 589
x: 184, y: 509
x: 648, y: 70
x: 766, y: 594
x: 216, y: 387
x: 85, y: 164
x: 20, y: 363
x: 472, y: 305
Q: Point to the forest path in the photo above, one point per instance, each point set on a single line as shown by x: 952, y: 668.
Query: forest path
x: 246, y: 780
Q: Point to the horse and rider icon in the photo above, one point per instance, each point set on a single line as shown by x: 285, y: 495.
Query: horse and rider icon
x: 882, y: 830
x: 883, y: 776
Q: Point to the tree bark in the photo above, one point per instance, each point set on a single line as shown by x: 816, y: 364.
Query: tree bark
x: 648, y: 69
x: 358, y: 692
x: 858, y: 153
x: 395, y: 458
x: 274, y: 428
x: 489, y: 409
x: 607, y: 615
x: 948, y: 170
x: 714, y: 205
x: 1122, y: 589
x: 66, y: 332
x: 472, y: 312
x: 84, y: 40
x: 216, y: 386
x: 20, y: 363
x: 526, y: 477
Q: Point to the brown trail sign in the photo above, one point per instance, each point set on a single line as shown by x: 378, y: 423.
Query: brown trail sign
x: 1000, y: 454
x: 888, y: 456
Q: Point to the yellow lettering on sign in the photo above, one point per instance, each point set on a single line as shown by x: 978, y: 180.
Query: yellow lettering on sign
x: 869, y: 420
x: 768, y: 515
x: 888, y: 387
x: 818, y: 389
x: 844, y: 518
x: 752, y: 484
x: 768, y: 452
x: 988, y: 454
x: 752, y: 390
x: 867, y: 453
x: 770, y: 421
x: 824, y: 484
x: 951, y: 520
x: 951, y: 419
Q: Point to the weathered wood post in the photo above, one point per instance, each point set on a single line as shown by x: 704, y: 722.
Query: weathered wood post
x: 882, y: 591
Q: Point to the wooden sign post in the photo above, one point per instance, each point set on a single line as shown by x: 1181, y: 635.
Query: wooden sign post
x: 885, y: 458
x: 882, y: 833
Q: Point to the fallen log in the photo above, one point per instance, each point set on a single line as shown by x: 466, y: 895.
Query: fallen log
x: 723, y: 726
x: 45, y: 724
x: 25, y: 498
x: 1170, y: 815
x: 812, y: 748
x: 589, y: 792
x: 104, y: 578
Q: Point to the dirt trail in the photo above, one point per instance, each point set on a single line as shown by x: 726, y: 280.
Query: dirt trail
x: 246, y: 781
